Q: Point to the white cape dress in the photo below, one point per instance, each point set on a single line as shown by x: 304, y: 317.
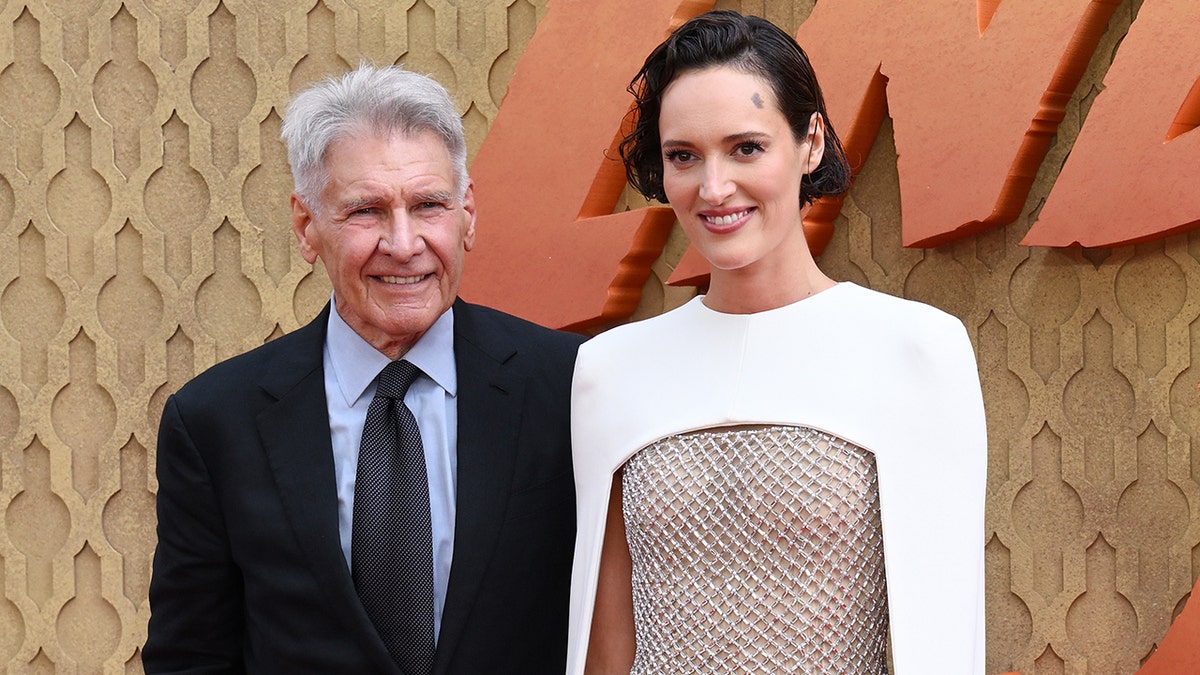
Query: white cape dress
x: 895, y: 377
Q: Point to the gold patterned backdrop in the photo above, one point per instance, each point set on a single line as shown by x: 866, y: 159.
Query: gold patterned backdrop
x: 144, y: 236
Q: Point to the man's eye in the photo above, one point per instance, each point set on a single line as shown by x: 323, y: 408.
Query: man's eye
x: 431, y: 206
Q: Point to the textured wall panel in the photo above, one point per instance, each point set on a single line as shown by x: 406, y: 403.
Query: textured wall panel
x: 144, y: 230
x: 144, y: 235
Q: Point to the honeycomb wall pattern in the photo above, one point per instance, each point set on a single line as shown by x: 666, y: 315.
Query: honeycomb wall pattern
x: 144, y: 236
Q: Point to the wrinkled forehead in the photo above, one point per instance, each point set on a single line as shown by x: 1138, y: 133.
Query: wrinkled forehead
x: 386, y: 131
x: 418, y: 144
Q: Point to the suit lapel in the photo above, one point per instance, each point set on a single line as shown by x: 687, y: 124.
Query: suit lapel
x: 295, y: 435
x: 490, y: 396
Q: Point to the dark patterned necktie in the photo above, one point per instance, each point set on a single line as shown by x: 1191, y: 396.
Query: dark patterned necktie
x: 391, y: 547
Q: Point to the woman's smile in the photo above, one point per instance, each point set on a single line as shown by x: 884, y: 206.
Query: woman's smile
x: 724, y: 224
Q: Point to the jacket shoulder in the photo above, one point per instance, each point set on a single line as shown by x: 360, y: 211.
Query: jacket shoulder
x: 477, y: 323
x: 292, y: 354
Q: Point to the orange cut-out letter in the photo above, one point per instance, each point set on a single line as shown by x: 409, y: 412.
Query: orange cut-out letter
x: 1134, y: 171
x: 974, y: 112
x: 548, y: 247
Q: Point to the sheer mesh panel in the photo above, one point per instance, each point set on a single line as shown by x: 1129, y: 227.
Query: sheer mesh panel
x: 756, y: 550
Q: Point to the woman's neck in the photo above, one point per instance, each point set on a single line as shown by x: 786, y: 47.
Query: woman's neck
x: 747, y: 291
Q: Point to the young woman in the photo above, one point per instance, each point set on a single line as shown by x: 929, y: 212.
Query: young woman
x: 785, y: 471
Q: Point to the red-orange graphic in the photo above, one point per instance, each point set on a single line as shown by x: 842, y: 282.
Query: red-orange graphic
x: 976, y: 92
x: 1134, y: 172
x: 548, y: 246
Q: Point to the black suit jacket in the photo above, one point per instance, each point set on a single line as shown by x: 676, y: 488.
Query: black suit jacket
x: 249, y: 573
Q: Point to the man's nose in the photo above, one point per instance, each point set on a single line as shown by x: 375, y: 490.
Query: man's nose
x: 401, y: 237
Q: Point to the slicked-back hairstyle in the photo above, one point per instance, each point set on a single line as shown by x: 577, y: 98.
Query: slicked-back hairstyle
x: 748, y: 44
x: 367, y: 100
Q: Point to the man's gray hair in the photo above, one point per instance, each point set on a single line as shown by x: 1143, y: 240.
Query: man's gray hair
x: 369, y: 99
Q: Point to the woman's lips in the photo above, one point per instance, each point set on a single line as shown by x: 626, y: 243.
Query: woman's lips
x: 725, y: 222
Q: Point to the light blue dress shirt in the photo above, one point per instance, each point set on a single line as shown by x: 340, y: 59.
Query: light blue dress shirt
x: 351, y: 366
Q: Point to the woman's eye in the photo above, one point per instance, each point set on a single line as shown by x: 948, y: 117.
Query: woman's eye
x: 748, y: 149
x: 679, y: 156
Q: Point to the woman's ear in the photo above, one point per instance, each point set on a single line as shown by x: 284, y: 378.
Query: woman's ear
x: 816, y: 142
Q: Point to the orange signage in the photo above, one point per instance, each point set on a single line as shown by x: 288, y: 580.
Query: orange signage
x: 548, y: 246
x: 1134, y: 172
x: 975, y: 90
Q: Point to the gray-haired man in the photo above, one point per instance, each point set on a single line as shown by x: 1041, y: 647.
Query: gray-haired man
x: 267, y: 559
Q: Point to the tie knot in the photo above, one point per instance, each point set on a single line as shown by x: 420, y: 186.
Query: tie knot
x: 395, y: 379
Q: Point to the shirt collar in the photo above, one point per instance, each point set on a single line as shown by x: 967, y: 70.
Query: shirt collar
x: 356, y: 363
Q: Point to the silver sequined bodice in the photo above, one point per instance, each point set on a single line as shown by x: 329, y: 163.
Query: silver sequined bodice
x: 756, y: 550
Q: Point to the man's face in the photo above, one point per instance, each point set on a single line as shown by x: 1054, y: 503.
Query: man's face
x: 391, y: 234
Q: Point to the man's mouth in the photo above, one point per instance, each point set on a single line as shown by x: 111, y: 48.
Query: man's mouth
x: 402, y: 280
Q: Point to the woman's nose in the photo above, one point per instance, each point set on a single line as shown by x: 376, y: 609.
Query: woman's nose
x: 716, y: 186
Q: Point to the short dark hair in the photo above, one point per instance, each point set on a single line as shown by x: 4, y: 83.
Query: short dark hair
x: 746, y: 43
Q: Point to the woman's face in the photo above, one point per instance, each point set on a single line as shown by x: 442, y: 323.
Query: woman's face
x: 732, y: 170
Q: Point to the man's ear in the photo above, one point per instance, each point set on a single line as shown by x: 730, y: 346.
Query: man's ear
x: 303, y: 226
x: 469, y: 208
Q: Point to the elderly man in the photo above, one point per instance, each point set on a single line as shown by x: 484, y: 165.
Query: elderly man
x: 387, y: 489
